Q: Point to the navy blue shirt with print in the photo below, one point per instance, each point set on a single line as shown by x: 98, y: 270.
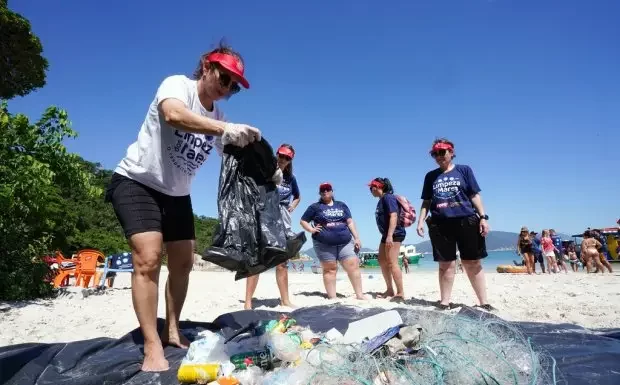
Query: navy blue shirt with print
x: 387, y: 205
x: 557, y: 242
x: 450, y: 192
x: 288, y: 190
x: 333, y: 220
x: 536, y: 246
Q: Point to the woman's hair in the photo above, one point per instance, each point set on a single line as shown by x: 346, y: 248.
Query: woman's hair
x: 527, y: 235
x: 387, y: 185
x: 446, y: 141
x: 288, y: 170
x: 545, y: 231
x: 221, y: 48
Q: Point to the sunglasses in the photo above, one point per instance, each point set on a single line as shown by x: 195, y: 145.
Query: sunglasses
x: 285, y: 157
x: 227, y: 82
x: 324, y: 190
x: 437, y: 153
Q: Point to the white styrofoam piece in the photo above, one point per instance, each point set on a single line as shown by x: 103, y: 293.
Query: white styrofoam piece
x: 371, y: 327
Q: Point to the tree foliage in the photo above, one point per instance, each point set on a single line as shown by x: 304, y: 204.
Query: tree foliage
x: 34, y: 171
x: 22, y: 65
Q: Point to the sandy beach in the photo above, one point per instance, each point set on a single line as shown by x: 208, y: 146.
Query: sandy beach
x: 591, y: 301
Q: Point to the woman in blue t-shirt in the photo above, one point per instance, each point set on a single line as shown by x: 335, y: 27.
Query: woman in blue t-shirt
x: 289, y: 199
x: 392, y: 235
x: 335, y: 239
x: 452, y: 196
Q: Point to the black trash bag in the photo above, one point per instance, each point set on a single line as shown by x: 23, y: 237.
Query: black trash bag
x: 251, y: 236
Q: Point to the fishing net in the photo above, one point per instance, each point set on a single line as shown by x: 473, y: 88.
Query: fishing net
x: 450, y: 350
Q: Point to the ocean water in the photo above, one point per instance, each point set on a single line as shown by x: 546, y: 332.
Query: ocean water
x: 489, y: 263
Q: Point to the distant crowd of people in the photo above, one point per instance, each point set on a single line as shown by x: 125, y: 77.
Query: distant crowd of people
x: 549, y: 249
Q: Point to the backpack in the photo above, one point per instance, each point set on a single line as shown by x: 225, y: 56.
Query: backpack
x: 406, y: 216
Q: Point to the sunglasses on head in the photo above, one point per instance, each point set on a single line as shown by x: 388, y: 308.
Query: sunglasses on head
x: 227, y: 82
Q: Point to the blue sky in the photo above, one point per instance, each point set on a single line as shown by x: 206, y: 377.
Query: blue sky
x: 528, y: 91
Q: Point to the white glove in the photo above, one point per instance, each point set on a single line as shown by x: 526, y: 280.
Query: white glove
x: 277, y: 176
x: 240, y: 135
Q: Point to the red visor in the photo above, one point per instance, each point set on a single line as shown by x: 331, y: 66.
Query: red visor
x: 442, y: 146
x: 286, y: 152
x: 375, y: 183
x: 232, y: 64
x: 325, y: 186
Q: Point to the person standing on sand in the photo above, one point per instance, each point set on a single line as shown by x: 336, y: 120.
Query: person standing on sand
x: 559, y: 250
x: 538, y: 257
x: 603, y: 252
x: 289, y: 199
x: 549, y: 251
x: 392, y: 235
x: 590, y: 247
x: 335, y: 239
x: 452, y: 196
x: 150, y: 189
x: 525, y: 249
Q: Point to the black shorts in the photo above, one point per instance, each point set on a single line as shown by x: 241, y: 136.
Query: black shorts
x: 449, y: 233
x: 140, y: 209
x: 538, y: 258
x: 395, y: 238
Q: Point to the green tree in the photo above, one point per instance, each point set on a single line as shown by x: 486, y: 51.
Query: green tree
x: 34, y: 170
x: 22, y: 67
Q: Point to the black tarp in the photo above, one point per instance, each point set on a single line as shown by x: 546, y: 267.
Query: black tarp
x: 583, y: 357
x: 250, y: 237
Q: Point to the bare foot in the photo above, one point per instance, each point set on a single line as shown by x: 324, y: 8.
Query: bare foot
x: 361, y: 297
x: 247, y: 306
x: 154, y: 359
x: 386, y: 294
x: 288, y: 304
x: 174, y: 338
x: 397, y: 298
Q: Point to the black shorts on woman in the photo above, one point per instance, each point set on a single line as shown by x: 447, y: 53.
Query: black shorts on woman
x: 140, y: 209
x: 453, y: 222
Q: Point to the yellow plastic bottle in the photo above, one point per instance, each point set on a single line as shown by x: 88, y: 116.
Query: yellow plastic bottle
x: 201, y: 373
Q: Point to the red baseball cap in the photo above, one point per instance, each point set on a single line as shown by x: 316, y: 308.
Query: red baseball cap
x: 232, y: 64
x: 286, y: 152
x: 325, y: 186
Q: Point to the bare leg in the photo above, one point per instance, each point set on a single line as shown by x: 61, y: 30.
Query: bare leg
x: 329, y: 278
x: 282, y: 281
x: 528, y: 262
x: 605, y: 262
x: 447, y: 271
x: 385, y: 270
x: 477, y: 278
x: 146, y: 255
x: 397, y: 274
x: 250, y: 287
x: 180, y: 262
x: 352, y: 267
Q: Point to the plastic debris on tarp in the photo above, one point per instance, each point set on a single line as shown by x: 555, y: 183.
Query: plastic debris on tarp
x: 251, y: 237
x: 581, y: 356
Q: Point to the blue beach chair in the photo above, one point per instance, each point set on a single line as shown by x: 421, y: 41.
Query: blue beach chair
x: 117, y: 263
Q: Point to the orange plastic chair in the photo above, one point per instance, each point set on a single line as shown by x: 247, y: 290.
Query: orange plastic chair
x: 88, y: 266
x: 66, y: 269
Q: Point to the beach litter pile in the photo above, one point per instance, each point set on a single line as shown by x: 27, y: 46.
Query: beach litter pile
x: 381, y: 349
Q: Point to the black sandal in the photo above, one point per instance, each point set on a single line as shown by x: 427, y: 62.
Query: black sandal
x: 486, y: 307
x: 441, y: 306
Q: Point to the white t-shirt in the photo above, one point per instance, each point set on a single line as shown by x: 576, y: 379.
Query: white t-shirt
x: 165, y: 158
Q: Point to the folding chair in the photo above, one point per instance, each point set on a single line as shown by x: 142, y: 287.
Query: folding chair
x: 117, y: 263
